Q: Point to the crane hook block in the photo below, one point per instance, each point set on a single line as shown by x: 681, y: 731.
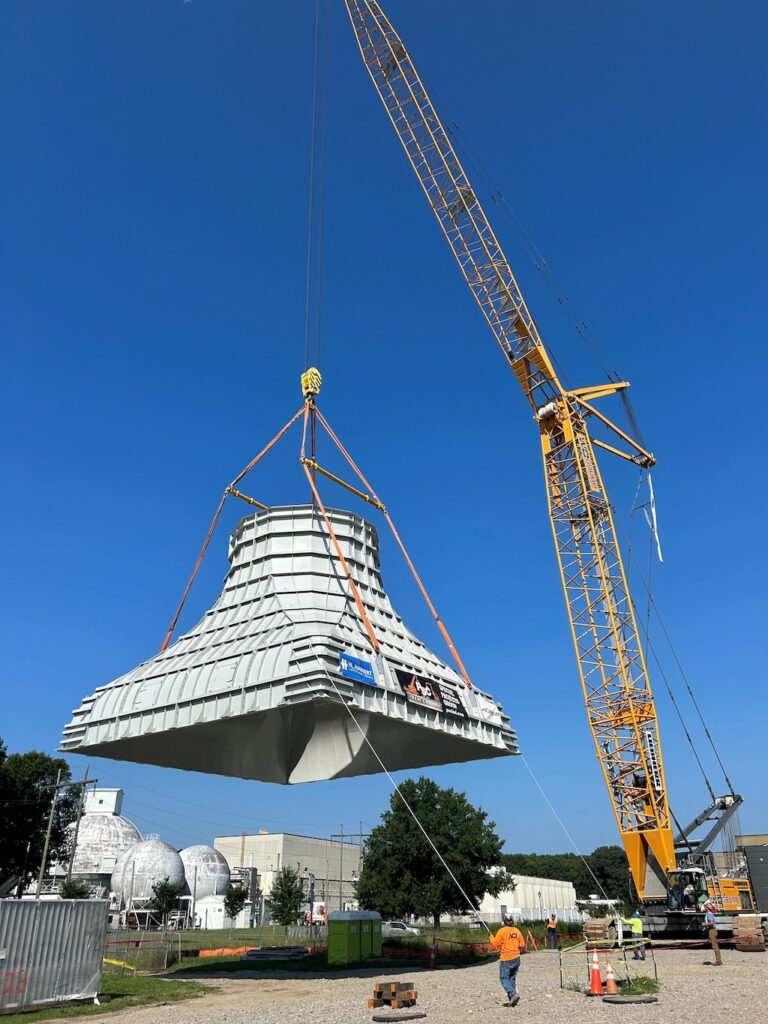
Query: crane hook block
x: 310, y: 383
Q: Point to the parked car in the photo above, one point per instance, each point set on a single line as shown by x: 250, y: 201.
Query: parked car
x: 398, y: 928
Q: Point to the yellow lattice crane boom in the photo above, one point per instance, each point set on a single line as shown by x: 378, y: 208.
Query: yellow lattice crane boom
x: 614, y: 677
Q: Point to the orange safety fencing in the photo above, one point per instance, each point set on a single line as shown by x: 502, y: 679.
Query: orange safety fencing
x: 462, y: 949
x: 227, y: 951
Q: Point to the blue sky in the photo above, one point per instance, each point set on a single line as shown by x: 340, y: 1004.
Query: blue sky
x: 153, y: 192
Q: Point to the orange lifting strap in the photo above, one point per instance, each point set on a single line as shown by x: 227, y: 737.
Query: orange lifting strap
x: 312, y: 415
x: 215, y: 520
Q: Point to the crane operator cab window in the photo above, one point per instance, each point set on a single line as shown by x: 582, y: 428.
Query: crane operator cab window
x: 687, y: 890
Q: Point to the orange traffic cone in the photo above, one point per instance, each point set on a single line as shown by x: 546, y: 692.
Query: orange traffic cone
x: 611, y: 988
x: 595, y: 981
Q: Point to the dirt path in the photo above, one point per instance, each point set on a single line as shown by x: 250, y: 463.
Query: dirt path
x: 691, y: 993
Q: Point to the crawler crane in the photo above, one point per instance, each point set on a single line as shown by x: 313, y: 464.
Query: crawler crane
x: 669, y: 866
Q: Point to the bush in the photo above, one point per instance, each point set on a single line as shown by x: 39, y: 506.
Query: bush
x: 74, y: 889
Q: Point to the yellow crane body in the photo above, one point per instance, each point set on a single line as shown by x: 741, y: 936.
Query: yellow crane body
x: 614, y: 677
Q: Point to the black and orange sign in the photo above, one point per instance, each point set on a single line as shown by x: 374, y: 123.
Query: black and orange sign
x: 429, y: 694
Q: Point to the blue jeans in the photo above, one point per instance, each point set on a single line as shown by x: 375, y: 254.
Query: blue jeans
x: 508, y: 976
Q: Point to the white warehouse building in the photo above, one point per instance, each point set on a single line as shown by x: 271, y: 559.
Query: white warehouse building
x: 533, y: 899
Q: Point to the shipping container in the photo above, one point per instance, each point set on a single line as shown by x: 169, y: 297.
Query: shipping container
x: 50, y: 951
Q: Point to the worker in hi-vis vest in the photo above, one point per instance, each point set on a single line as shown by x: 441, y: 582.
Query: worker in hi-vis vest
x: 552, y: 931
x: 510, y: 943
x: 635, y: 924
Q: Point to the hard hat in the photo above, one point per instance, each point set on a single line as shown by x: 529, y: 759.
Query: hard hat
x: 508, y: 919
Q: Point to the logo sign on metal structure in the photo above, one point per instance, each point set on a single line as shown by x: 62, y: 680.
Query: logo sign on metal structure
x: 430, y: 694
x: 357, y: 669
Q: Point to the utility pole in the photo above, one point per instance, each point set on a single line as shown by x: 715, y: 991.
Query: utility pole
x: 48, y: 831
x: 80, y: 805
x: 341, y: 867
x: 341, y: 836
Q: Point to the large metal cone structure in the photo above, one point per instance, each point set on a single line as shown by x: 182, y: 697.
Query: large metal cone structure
x: 263, y: 686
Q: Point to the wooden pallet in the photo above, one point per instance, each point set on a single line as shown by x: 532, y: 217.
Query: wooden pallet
x: 396, y: 994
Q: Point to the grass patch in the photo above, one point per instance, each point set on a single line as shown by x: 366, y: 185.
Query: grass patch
x: 643, y: 985
x: 123, y: 992
x: 233, y: 965
x: 574, y: 986
x: 315, y: 962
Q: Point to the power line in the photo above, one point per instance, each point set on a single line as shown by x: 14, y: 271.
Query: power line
x: 202, y: 807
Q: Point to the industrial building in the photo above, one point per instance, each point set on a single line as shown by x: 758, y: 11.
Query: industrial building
x: 755, y: 851
x: 329, y: 868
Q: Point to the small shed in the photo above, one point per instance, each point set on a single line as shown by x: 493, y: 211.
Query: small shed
x: 209, y: 913
x: 353, y: 935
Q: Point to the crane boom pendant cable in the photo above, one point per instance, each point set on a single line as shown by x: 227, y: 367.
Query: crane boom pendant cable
x: 316, y: 188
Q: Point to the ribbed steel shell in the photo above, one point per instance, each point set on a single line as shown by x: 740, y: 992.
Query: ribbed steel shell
x: 101, y: 840
x: 50, y: 951
x: 251, y: 690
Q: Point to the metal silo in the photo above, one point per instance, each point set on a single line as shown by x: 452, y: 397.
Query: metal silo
x: 206, y: 871
x: 139, y: 868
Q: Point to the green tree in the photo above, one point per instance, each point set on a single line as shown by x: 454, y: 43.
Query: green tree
x: 74, y: 889
x: 608, y: 864
x: 401, y: 873
x: 235, y: 900
x: 165, y: 898
x: 26, y: 788
x: 611, y: 868
x: 286, y: 898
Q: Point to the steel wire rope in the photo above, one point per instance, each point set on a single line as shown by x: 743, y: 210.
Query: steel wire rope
x: 473, y: 910
x: 316, y: 187
x: 533, y: 252
x: 540, y: 263
x: 325, y: 58
x: 681, y: 670
x: 649, y: 647
x: 562, y: 825
x: 311, y: 189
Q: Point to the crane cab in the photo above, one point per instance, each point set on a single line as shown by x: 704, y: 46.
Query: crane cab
x: 687, y: 890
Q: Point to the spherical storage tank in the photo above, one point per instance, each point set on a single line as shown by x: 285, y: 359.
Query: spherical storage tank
x: 143, y: 865
x: 206, y: 870
x: 101, y: 840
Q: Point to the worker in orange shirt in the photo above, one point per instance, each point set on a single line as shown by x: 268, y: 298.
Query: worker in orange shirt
x: 510, y: 943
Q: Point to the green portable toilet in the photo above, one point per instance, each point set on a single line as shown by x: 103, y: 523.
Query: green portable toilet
x: 375, y: 934
x: 365, y: 937
x: 344, y: 936
x: 370, y: 935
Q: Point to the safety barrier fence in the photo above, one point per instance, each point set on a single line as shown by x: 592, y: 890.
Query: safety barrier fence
x: 576, y: 962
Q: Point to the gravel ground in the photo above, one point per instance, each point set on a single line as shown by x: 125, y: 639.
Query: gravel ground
x: 691, y: 993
